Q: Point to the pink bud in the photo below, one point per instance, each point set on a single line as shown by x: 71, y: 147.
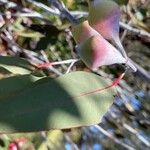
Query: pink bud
x: 96, y: 52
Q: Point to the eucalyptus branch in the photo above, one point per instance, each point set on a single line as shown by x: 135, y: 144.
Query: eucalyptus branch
x: 44, y: 7
x: 64, y: 11
x: 134, y: 30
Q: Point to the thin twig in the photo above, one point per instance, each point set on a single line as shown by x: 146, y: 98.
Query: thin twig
x: 64, y: 11
x: 134, y: 30
x: 69, y: 68
x: 125, y: 32
x: 44, y: 7
x: 133, y: 131
x: 50, y: 67
x: 44, y: 65
x: 113, y: 138
x: 141, y: 72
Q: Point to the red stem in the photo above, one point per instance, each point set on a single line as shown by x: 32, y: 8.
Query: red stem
x: 114, y: 84
x: 44, y: 65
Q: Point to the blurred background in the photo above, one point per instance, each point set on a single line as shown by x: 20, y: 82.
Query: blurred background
x: 38, y: 32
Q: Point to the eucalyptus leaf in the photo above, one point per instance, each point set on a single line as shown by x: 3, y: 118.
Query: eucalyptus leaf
x: 56, y: 104
x: 16, y: 65
x: 12, y: 85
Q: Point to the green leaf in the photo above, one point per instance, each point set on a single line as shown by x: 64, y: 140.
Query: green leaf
x: 16, y: 65
x: 30, y: 34
x: 121, y: 2
x: 54, y: 104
